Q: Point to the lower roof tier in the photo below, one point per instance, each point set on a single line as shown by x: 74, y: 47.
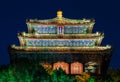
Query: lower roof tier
x: 61, y: 49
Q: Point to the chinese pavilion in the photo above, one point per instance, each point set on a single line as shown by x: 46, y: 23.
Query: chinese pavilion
x: 63, y: 43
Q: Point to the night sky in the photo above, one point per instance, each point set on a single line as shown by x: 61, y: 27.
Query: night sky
x: 13, y: 15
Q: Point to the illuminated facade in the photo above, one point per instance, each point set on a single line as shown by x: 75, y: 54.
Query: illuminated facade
x: 62, y: 42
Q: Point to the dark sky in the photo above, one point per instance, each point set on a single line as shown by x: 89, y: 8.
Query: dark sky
x: 13, y: 14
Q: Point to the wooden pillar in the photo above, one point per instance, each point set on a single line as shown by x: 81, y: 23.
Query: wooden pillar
x: 52, y: 64
x: 99, y: 68
x: 69, y: 68
x: 99, y: 71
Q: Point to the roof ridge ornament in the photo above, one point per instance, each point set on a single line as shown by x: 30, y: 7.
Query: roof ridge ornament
x: 59, y: 14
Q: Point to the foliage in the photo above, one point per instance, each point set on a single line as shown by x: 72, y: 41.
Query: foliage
x: 114, y: 74
x: 15, y: 74
x: 60, y: 76
x: 91, y: 79
x: 32, y: 72
x: 41, y: 74
x: 83, y: 77
x: 49, y: 70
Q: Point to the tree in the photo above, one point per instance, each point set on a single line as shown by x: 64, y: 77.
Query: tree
x: 41, y: 74
x: 60, y: 76
x: 91, y: 79
x: 83, y: 77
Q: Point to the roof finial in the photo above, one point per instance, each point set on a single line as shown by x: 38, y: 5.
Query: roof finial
x: 59, y: 14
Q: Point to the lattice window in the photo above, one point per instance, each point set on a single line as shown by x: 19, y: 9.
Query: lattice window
x: 76, y: 68
x: 63, y: 65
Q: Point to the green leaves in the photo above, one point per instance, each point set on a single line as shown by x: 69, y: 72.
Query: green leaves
x: 91, y: 79
x: 33, y: 72
x: 60, y: 76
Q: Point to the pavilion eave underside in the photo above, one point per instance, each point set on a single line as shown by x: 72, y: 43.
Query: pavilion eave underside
x: 62, y: 49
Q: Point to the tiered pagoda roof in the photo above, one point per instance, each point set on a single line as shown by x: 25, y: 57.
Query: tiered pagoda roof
x: 60, y: 21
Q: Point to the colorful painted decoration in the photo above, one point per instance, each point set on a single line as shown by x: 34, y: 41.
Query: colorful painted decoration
x: 60, y: 42
x: 45, y: 29
x: 75, y: 29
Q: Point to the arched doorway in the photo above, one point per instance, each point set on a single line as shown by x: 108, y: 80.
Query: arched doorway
x: 76, y: 68
x: 63, y: 65
x: 91, y: 67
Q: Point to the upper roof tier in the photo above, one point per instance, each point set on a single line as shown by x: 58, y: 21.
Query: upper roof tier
x: 60, y: 20
x: 65, y: 36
